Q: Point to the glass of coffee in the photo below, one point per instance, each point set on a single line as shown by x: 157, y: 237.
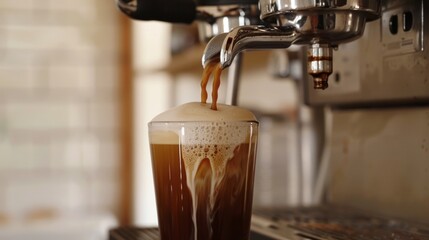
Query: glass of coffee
x: 203, y: 164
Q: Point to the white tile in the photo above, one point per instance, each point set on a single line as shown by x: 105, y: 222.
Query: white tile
x: 66, y: 155
x: 104, y: 115
x: 41, y: 158
x: 38, y: 17
x: 90, y: 152
x: 61, y: 5
x: 2, y: 196
x: 27, y: 156
x: 17, y: 58
x: 109, y: 154
x: 37, y: 191
x: 15, y: 78
x: 108, y: 12
x: 78, y: 78
x: 45, y: 115
x: 17, y: 156
x: 78, y: 153
x: 108, y: 38
x: 3, y: 126
x: 47, y: 37
x: 65, y: 57
x: 105, y: 193
x: 13, y: 4
x: 77, y: 116
x: 108, y: 76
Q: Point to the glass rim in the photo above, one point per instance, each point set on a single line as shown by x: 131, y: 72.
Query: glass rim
x: 202, y: 122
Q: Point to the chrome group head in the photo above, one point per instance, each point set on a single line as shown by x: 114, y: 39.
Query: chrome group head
x: 321, y: 24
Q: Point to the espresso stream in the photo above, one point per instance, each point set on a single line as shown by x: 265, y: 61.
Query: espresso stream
x: 213, y: 66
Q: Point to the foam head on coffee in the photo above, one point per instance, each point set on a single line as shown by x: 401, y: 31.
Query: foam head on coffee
x: 218, y: 132
x: 196, y: 111
x: 208, y: 126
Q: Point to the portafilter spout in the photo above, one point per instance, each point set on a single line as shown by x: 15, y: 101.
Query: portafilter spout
x: 224, y: 47
x: 319, y: 64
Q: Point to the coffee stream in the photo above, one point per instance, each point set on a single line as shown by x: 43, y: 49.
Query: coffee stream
x: 216, y: 164
x: 208, y: 70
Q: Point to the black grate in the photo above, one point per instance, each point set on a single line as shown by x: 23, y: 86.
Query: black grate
x: 342, y: 224
x: 130, y: 233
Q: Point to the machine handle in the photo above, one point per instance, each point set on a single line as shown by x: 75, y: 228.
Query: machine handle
x: 225, y: 2
x: 173, y: 11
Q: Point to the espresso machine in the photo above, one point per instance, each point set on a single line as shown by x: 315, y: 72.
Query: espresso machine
x: 368, y: 80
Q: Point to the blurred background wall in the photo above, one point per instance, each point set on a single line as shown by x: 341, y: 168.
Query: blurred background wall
x: 61, y: 120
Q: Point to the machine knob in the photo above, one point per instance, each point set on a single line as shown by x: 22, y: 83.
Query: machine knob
x: 225, y: 2
x: 177, y: 11
x: 173, y: 11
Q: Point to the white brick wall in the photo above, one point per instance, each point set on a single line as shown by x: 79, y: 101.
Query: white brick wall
x: 45, y: 114
x: 22, y: 78
x: 59, y: 106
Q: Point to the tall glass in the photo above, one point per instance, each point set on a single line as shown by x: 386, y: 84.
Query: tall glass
x: 203, y: 174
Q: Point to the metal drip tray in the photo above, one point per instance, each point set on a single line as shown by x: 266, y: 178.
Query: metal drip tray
x: 134, y: 233
x: 318, y: 223
x: 332, y: 223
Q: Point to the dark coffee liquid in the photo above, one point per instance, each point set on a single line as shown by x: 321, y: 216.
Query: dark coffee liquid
x: 223, y: 199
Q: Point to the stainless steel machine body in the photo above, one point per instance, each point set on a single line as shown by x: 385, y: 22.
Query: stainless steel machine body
x: 388, y: 64
x: 380, y: 149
